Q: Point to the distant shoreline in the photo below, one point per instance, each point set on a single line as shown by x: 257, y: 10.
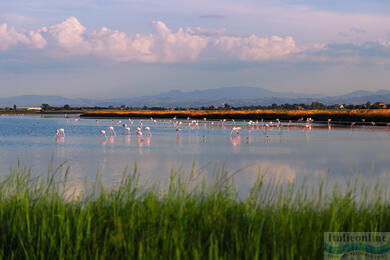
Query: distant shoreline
x: 375, y: 115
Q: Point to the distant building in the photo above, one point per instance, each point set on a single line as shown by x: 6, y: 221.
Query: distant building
x: 379, y: 105
x: 34, y: 109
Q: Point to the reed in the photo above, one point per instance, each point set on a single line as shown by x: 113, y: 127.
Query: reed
x: 377, y: 115
x: 190, y: 218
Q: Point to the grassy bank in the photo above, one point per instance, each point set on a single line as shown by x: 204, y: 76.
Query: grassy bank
x: 357, y: 115
x: 46, y: 218
x: 377, y: 115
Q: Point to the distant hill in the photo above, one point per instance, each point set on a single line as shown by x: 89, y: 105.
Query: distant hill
x: 236, y: 96
x: 36, y: 100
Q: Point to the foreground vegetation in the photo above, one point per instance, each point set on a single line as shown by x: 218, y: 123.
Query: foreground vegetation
x: 48, y: 218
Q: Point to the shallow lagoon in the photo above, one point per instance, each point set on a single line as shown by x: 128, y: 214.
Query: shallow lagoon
x: 287, y: 154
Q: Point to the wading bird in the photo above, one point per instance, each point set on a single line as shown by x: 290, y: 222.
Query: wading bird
x: 138, y: 132
x: 102, y: 132
x: 235, y: 131
x: 60, y: 132
x: 111, y: 130
x: 148, y: 131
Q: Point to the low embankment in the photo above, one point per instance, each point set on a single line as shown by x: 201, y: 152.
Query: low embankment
x: 376, y: 115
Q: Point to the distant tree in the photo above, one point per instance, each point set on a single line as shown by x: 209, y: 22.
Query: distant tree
x: 317, y: 105
x: 66, y: 107
x: 14, y: 107
x: 45, y: 106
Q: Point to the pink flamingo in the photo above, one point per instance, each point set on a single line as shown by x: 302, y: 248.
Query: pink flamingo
x: 60, y: 132
x: 139, y: 132
x: 235, y: 130
x: 148, y: 131
x: 111, y: 130
x: 102, y: 132
x: 127, y: 130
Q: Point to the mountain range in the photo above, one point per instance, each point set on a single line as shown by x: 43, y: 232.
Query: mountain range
x: 235, y: 96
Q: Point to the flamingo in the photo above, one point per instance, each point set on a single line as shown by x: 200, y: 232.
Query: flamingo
x: 127, y: 130
x: 60, y: 131
x: 235, y: 131
x: 111, y: 130
x: 148, y: 131
x: 178, y: 130
x: 102, y: 132
x: 139, y: 132
x: 352, y: 124
x: 277, y: 122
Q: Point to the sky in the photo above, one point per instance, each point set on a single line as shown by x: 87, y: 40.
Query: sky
x: 118, y: 48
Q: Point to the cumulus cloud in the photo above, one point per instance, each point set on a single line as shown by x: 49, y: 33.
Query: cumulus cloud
x: 254, y: 48
x: 69, y: 35
x: 71, y: 39
x: 10, y: 37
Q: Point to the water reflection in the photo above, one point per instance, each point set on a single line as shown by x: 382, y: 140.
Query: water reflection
x: 178, y: 139
x: 60, y: 139
x: 288, y: 151
x: 127, y: 139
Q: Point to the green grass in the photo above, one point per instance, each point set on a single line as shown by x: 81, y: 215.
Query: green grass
x: 47, y: 218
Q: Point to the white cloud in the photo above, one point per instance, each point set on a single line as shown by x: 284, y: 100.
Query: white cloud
x: 71, y: 39
x: 10, y: 37
x: 174, y: 47
x: 69, y: 35
x: 254, y: 48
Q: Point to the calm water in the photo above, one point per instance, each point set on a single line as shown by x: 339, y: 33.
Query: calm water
x: 287, y: 154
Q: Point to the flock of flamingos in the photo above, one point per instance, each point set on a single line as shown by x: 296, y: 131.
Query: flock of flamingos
x: 179, y: 125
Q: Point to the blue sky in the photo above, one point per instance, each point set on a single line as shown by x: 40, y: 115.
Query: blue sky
x: 99, y: 49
